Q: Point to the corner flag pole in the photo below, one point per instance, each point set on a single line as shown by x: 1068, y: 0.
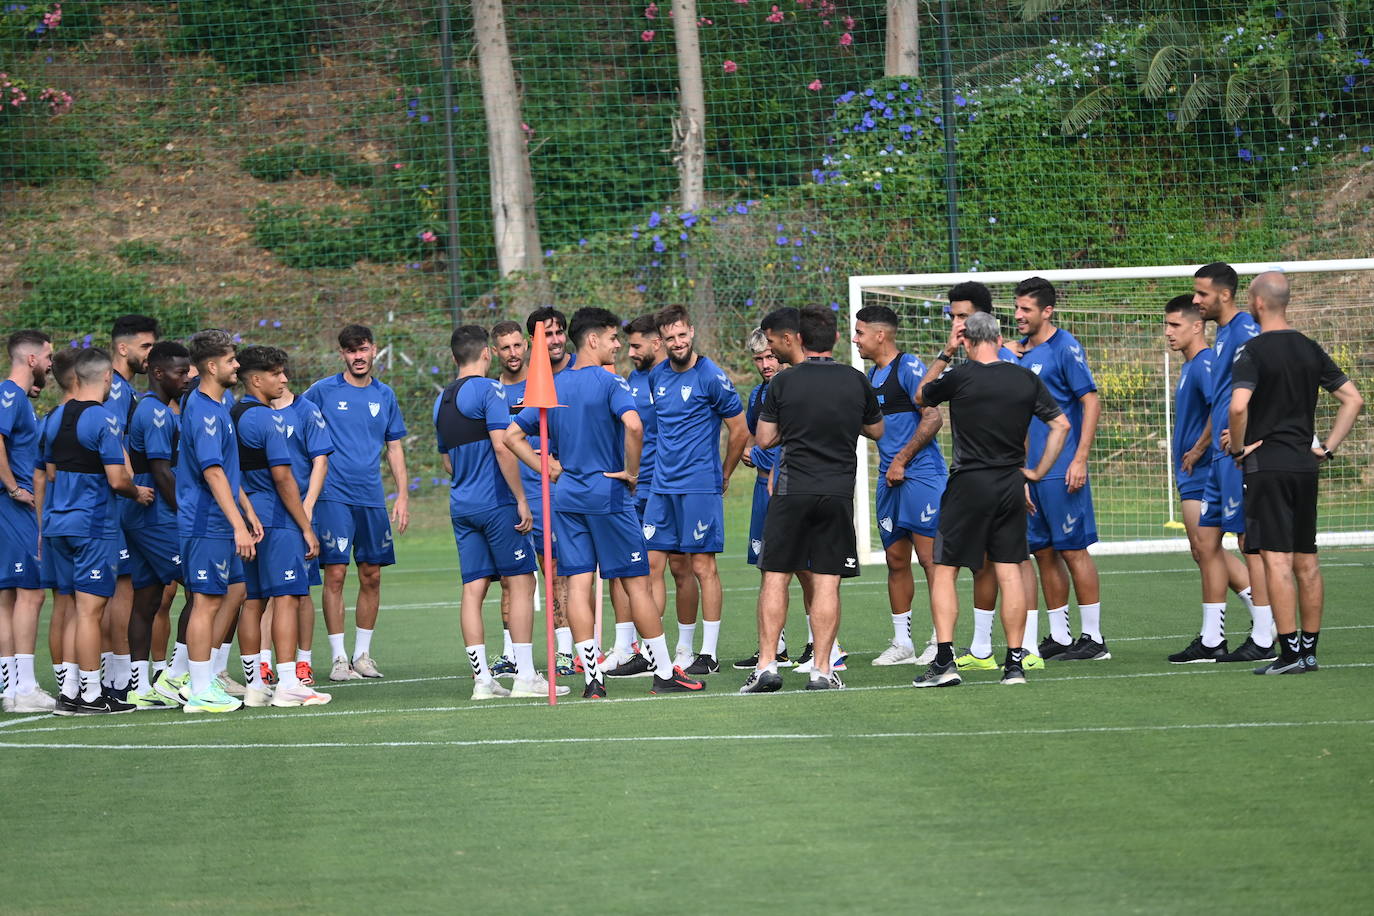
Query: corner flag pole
x: 539, y: 392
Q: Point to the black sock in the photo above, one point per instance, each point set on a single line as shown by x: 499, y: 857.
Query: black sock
x: 944, y: 653
x: 1309, y: 643
x: 1290, y: 646
x: 1016, y: 656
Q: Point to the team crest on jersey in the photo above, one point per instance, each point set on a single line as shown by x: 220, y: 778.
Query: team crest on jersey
x: 290, y: 430
x: 374, y: 407
x: 686, y: 392
x: 1036, y: 367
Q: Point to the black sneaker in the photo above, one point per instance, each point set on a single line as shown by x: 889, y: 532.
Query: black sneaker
x: 66, y: 706
x: 635, y: 666
x: 596, y: 690
x: 782, y: 660
x: 806, y: 655
x: 678, y: 683
x: 102, y: 705
x: 1309, y: 662
x: 938, y: 675
x: 764, y: 681
x: 1197, y: 652
x: 1013, y: 673
x: 1249, y: 652
x: 703, y: 664
x: 116, y: 693
x: 1052, y: 648
x: 1085, y: 650
x: 1279, y: 666
x: 747, y: 664
x: 819, y: 681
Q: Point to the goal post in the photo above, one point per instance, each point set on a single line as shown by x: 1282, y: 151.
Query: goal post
x: 1118, y: 315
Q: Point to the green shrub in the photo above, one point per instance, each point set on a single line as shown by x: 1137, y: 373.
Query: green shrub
x: 280, y: 162
x: 262, y: 41
x: 69, y: 296
x: 142, y: 251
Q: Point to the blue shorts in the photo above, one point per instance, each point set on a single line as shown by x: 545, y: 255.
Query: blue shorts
x: 1062, y: 520
x: 1223, y: 499
x: 641, y: 503
x: 685, y: 522
x: 210, y: 565
x: 911, y: 507
x: 19, y: 564
x: 47, y: 570
x: 489, y: 546
x: 154, y: 555
x: 1194, y: 485
x: 611, y: 543
x: 312, y: 571
x: 365, y: 530
x: 279, y: 567
x: 83, y: 564
x: 758, y: 511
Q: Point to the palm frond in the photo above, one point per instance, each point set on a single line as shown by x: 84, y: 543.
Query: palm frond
x: 1163, y: 69
x: 1280, y: 92
x: 1089, y: 108
x: 1034, y: 9
x: 1195, y: 101
x: 1240, y: 92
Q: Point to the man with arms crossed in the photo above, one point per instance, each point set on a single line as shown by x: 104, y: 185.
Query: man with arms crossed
x: 1271, y: 418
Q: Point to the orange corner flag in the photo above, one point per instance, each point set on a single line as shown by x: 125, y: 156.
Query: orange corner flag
x: 539, y: 390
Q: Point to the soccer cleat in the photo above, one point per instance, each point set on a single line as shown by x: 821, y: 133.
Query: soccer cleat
x: 762, y: 681
x: 896, y: 655
x: 7, y: 703
x: 1052, y: 648
x: 782, y: 660
x: 613, y: 659
x: 678, y: 683
x: 299, y: 695
x: 304, y: 674
x: 36, y: 700
x: 1248, y: 651
x: 257, y: 697
x: 171, y: 687
x: 563, y: 664
x: 1033, y: 662
x: 635, y: 666
x: 938, y: 675
x: 151, y: 699
x: 682, y: 658
x: 502, y: 666
x: 343, y: 671
x: 213, y: 700
x: 928, y: 653
x: 1309, y: 664
x: 66, y: 706
x: 578, y: 668
x: 102, y: 705
x: 269, y: 677
x: 703, y: 664
x: 488, y: 689
x: 970, y: 662
x: 596, y: 690
x: 229, y: 685
x: 841, y: 662
x: 819, y: 681
x: 805, y: 660
x: 118, y: 693
x: 1085, y: 650
x: 1013, y: 673
x: 1196, y: 652
x: 364, y: 666
x: 747, y: 664
x: 537, y: 686
x: 1279, y: 666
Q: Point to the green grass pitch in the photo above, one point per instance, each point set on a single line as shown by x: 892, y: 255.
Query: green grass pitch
x: 1121, y: 786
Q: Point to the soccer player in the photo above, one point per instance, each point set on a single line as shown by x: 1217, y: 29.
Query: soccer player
x: 983, y: 513
x: 80, y: 522
x: 278, y: 569
x: 491, y: 517
x: 1063, y: 525
x: 364, y: 423
x: 21, y: 594
x: 216, y: 521
x: 816, y: 411
x: 911, y: 470
x: 1214, y: 293
x: 686, y: 509
x: 1271, y: 420
x: 64, y: 667
x: 598, y: 437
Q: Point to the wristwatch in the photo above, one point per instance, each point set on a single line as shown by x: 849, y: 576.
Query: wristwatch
x: 1238, y: 455
x: 1327, y: 453
x: 942, y: 355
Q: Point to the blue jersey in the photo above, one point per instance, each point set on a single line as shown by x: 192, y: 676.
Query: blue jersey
x: 763, y: 458
x: 465, y: 436
x: 19, y: 429
x: 1192, y: 401
x: 153, y: 433
x: 79, y: 502
x: 262, y: 441
x: 690, y: 406
x: 207, y: 441
x: 897, y: 399
x: 1063, y: 367
x: 121, y: 402
x: 643, y: 393
x: 308, y: 435
x: 361, y: 421
x: 1231, y: 336
x: 589, y: 438
x: 529, y: 478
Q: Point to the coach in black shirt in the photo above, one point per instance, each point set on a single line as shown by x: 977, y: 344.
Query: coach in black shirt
x: 1273, y: 404
x: 983, y: 511
x: 816, y: 411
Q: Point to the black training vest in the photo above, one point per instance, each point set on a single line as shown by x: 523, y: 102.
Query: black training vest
x: 68, y: 454
x: 454, y: 427
x: 892, y: 397
x: 139, y: 459
x: 250, y: 459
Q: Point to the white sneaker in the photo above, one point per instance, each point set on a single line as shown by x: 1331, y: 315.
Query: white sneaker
x: 299, y: 694
x: 7, y: 702
x: 805, y: 667
x: 684, y: 658
x: 614, y: 659
x: 343, y: 671
x: 229, y: 685
x: 897, y: 655
x: 36, y: 700
x: 535, y: 687
x: 363, y: 666
x: 488, y: 689
x: 927, y: 654
x: 257, y: 697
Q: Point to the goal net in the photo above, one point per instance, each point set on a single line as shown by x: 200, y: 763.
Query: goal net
x: 1118, y: 315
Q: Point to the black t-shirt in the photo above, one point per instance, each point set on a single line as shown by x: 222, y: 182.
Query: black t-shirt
x: 990, y: 408
x: 1282, y: 369
x: 820, y: 406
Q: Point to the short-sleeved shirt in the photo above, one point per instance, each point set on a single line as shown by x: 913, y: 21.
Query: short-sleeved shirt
x: 264, y: 429
x: 477, y: 483
x: 1230, y: 338
x: 19, y: 429
x: 1063, y: 368
x: 121, y: 402
x: 690, y: 407
x: 82, y: 504
x: 820, y: 407
x: 361, y: 421
x: 1192, y: 404
x: 1283, y: 370
x: 641, y: 389
x: 207, y: 440
x: 991, y: 406
x: 764, y: 459
x: 900, y: 425
x: 589, y: 437
x: 153, y: 433
x: 308, y: 435
x: 529, y: 477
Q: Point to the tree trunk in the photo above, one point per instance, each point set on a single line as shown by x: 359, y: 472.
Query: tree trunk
x: 903, y: 57
x: 690, y: 145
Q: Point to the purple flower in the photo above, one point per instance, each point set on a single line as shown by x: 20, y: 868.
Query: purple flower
x: 642, y: 288
x: 682, y: 236
x: 424, y: 119
x: 659, y: 246
x: 581, y: 242
x: 1237, y: 131
x: 741, y: 209
x: 433, y: 370
x: 939, y: 120
x: 960, y: 100
x: 877, y: 185
x: 1244, y: 154
x: 634, y: 234
x: 548, y: 252
x: 797, y: 243
x: 276, y: 324
x: 654, y: 220
x: 834, y: 306
x: 262, y: 322
x: 1171, y: 116
x: 1365, y: 148
x: 748, y: 302
x: 782, y: 240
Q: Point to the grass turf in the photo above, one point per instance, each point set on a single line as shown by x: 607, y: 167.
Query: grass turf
x: 1127, y: 785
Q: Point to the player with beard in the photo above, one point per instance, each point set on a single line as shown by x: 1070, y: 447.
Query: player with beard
x: 63, y: 651
x: 511, y: 352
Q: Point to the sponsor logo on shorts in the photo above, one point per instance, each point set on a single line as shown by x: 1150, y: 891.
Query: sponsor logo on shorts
x: 222, y: 568
x: 329, y: 540
x: 927, y: 514
x: 1070, y: 523
x: 97, y: 574
x: 520, y: 554
x: 19, y: 567
x: 636, y: 556
x: 374, y: 407
x: 850, y: 562
x: 176, y: 559
x: 649, y: 532
x: 202, y: 574
x: 289, y: 575
x: 124, y: 553
x: 885, y: 523
x: 700, y: 530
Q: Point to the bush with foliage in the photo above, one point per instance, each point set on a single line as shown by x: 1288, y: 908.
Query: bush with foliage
x: 75, y: 296
x: 261, y: 41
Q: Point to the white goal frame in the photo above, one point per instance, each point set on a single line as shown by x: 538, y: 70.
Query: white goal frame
x: 880, y: 283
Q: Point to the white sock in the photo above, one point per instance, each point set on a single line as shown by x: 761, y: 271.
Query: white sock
x: 265, y: 656
x: 362, y: 642
x: 138, y: 679
x: 1059, y: 624
x: 710, y: 637
x: 810, y: 636
x: 8, y: 684
x: 90, y: 685
x: 981, y: 645
x: 202, y: 674
x: 122, y: 670
x: 477, y: 658
x: 1213, y: 623
x: 59, y: 674
x: 303, y: 655
x: 657, y: 653
x: 336, y: 646
x: 1247, y: 595
x: 71, y: 683
x: 901, y: 629
x: 180, y: 660
x: 286, y: 676
x: 624, y: 638
x: 507, y: 647
x: 159, y: 666
x: 782, y: 640
x: 220, y: 657
x: 252, y: 672
x: 1262, y: 625
x: 563, y: 640
x: 524, y: 660
x: 591, y: 663
x: 106, y: 669
x: 686, y: 636
x: 1031, y: 641
x: 24, y: 673
x: 1090, y: 621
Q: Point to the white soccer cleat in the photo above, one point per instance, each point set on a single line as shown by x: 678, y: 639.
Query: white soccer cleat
x: 257, y: 697
x: 536, y: 687
x: 342, y: 670
x: 299, y: 695
x: 614, y: 659
x: 684, y: 658
x: 897, y: 655
x: 927, y: 654
x: 229, y: 685
x: 36, y: 700
x: 364, y: 666
x: 488, y: 689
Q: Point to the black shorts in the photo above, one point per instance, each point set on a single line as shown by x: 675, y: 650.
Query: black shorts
x: 1281, y: 511
x: 982, y: 512
x: 813, y: 533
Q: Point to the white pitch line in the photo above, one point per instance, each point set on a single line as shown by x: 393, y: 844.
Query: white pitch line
x: 874, y: 736
x: 13, y: 722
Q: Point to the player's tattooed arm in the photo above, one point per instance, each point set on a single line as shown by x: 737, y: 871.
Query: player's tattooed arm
x: 926, y: 430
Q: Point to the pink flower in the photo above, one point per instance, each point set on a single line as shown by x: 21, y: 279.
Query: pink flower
x: 646, y: 35
x: 651, y: 11
x: 704, y: 21
x: 731, y: 66
x: 849, y: 22
x: 814, y: 85
x: 398, y: 165
x: 428, y: 236
x: 775, y: 16
x: 846, y: 40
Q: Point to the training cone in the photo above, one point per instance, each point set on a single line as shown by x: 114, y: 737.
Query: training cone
x: 539, y: 390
